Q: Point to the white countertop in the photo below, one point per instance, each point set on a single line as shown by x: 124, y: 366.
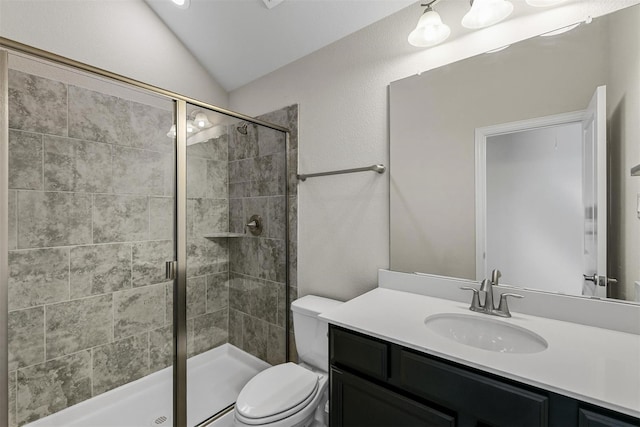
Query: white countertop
x: 595, y: 365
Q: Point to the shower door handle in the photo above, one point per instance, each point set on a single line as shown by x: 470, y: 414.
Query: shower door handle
x: 170, y: 270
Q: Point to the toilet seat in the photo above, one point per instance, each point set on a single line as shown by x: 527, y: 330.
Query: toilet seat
x: 276, y: 393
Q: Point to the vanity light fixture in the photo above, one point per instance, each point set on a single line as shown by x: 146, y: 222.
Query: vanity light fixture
x: 484, y: 13
x: 182, y: 4
x: 430, y: 29
x: 543, y: 3
x: 201, y: 120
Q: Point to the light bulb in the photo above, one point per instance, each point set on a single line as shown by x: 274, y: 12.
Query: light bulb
x: 430, y: 30
x: 202, y: 121
x: 182, y: 4
x: 172, y: 132
x: 191, y: 127
x: 484, y: 13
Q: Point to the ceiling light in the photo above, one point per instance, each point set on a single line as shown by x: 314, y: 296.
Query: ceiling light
x: 560, y: 30
x: 543, y: 3
x: 182, y: 4
x: 484, y: 13
x: 430, y: 30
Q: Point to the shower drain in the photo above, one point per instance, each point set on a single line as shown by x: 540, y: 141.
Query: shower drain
x: 160, y: 421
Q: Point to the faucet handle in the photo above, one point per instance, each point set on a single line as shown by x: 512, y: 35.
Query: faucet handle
x: 475, y: 301
x: 503, y: 307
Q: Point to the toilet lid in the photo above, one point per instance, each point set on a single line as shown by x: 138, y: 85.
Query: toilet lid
x: 276, y: 390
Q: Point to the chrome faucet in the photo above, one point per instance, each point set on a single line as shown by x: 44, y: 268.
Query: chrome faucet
x: 486, y: 289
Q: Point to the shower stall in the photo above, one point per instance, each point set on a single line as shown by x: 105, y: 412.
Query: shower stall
x: 145, y: 247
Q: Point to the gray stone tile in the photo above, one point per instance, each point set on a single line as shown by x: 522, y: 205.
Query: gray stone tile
x: 74, y: 165
x: 212, y: 149
x: 269, y: 177
x: 293, y: 351
x: 277, y: 217
x: 292, y: 172
x: 119, y: 363
x: 271, y: 259
x: 99, y: 269
x: 160, y: 348
x: 161, y: 225
x: 37, y: 277
x: 217, y: 292
x: 218, y: 179
x: 255, y: 336
x: 241, y: 170
x: 26, y: 337
x: 206, y: 256
x: 263, y: 300
x: 196, y: 296
x: 37, y: 104
x: 240, y: 293
x: 206, y: 216
x: 139, y: 171
x: 243, y: 146
x: 53, y: 219
x: 276, y: 117
x: 13, y: 220
x: 276, y: 345
x: 293, y: 241
x: 149, y: 260
x: 138, y: 310
x: 240, y: 189
x: 235, y: 328
x: 270, y: 140
x: 150, y: 126
x: 52, y: 386
x: 12, y: 399
x: 25, y: 160
x: 120, y: 218
x: 209, y: 331
x: 95, y: 116
x: 79, y: 324
x: 243, y: 255
x: 293, y: 295
x: 236, y: 216
x: 197, y: 185
x: 207, y: 178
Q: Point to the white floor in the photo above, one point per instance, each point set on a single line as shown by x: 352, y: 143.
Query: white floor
x: 214, y: 380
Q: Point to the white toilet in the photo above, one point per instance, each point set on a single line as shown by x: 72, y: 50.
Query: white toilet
x: 290, y: 395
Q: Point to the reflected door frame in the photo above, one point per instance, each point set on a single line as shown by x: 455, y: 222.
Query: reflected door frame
x: 482, y: 134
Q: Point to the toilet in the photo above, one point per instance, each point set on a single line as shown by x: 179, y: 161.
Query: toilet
x: 289, y: 394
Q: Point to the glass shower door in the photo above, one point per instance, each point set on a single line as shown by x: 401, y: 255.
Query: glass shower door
x: 236, y: 256
x: 91, y: 224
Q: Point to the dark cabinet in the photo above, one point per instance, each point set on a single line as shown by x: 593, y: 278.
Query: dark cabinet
x: 377, y: 383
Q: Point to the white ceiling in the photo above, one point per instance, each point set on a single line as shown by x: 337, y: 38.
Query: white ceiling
x: 238, y: 41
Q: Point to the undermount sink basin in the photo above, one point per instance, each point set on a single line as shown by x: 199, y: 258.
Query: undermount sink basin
x: 485, y: 333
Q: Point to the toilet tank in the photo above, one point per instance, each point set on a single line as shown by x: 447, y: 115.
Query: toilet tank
x: 311, y: 332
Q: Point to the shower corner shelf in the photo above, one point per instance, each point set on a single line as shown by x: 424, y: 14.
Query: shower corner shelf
x: 223, y: 235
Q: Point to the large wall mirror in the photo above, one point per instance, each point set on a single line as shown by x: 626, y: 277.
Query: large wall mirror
x: 522, y: 160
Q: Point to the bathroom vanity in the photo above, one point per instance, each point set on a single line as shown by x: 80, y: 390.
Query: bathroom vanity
x: 388, y: 368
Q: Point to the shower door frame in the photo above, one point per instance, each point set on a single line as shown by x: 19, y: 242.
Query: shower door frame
x: 8, y: 46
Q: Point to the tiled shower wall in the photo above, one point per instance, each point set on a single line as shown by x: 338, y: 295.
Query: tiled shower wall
x: 91, y: 224
x: 257, y: 186
x: 91, y: 214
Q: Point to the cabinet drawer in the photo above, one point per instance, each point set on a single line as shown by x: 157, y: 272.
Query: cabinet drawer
x: 492, y: 402
x: 360, y: 353
x: 359, y: 403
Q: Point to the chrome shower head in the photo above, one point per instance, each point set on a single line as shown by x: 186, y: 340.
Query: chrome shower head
x: 242, y: 128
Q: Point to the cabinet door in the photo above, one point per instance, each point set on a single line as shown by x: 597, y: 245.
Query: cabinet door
x: 356, y: 402
x: 588, y: 418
